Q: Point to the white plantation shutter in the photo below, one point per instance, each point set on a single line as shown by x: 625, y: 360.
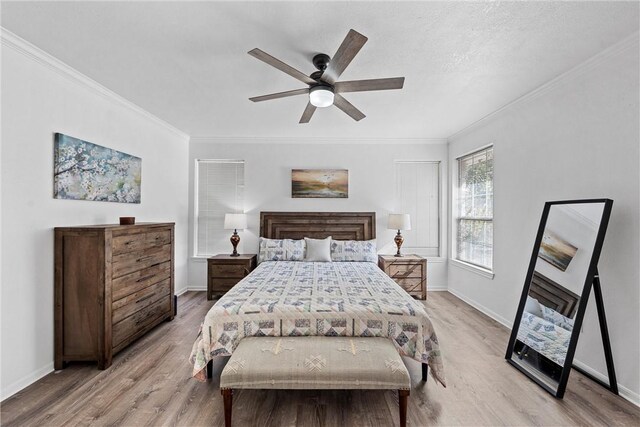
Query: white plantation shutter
x: 219, y: 190
x: 418, y: 191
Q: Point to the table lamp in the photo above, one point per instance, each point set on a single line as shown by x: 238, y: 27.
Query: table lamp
x: 399, y: 222
x: 235, y: 222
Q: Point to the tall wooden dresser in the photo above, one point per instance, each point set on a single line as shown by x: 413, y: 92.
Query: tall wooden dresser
x: 113, y: 283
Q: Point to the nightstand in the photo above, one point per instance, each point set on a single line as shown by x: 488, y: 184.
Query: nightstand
x: 408, y: 271
x: 224, y: 271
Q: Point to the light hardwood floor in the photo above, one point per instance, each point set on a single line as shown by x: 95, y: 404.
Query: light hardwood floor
x: 150, y: 384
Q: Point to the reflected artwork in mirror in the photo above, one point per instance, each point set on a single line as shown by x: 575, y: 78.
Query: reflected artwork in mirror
x: 562, y: 272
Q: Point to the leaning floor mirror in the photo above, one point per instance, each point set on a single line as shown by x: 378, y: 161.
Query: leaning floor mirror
x: 562, y: 272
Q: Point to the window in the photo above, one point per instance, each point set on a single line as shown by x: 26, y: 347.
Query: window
x: 474, y: 225
x: 418, y: 191
x: 219, y: 190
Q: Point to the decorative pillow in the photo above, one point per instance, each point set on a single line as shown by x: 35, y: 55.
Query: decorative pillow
x: 556, y: 318
x: 354, y: 250
x: 280, y: 250
x: 533, y: 306
x: 318, y: 250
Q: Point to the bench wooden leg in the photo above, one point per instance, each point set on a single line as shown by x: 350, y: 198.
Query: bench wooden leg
x: 403, y: 396
x: 210, y: 369
x: 425, y: 372
x: 227, y: 397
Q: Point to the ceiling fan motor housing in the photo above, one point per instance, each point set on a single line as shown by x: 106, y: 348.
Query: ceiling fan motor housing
x: 321, y: 61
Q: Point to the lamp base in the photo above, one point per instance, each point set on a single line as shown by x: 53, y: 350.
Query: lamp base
x: 399, y: 240
x: 235, y: 239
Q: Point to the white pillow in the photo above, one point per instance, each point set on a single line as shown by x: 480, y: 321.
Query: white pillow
x: 533, y: 306
x: 318, y: 250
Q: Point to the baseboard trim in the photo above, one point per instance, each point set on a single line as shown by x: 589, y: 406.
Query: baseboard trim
x: 25, y: 381
x: 624, y: 392
x: 181, y: 291
x: 492, y: 314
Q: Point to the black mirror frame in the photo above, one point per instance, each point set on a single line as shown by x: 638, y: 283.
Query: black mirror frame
x: 592, y: 274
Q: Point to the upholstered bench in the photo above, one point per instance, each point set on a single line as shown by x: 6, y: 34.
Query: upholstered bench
x: 334, y: 363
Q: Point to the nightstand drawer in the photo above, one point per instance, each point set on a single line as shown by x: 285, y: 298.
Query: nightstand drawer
x: 405, y: 270
x: 222, y: 285
x: 228, y: 270
x: 410, y: 285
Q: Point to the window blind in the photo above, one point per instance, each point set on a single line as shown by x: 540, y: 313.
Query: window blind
x: 418, y: 190
x: 219, y: 190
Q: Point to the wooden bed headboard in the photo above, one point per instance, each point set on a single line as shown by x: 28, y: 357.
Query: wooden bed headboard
x: 318, y: 225
x: 553, y: 295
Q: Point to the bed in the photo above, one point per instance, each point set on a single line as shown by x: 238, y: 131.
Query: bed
x: 298, y: 298
x: 547, y: 320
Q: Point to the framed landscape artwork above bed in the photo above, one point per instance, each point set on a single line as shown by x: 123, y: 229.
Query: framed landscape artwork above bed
x: 319, y: 183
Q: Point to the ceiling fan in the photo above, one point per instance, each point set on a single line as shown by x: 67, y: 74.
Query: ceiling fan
x: 324, y: 90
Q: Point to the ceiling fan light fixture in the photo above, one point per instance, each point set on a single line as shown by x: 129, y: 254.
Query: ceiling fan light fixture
x: 321, y: 96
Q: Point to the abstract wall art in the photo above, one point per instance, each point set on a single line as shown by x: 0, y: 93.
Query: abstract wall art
x: 86, y: 171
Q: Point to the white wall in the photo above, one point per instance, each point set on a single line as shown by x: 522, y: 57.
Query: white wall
x: 41, y: 96
x: 577, y: 137
x: 372, y: 186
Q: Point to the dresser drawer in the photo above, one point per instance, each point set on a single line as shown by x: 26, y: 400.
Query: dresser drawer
x: 128, y: 305
x: 125, y: 285
x: 405, y: 270
x: 228, y: 270
x: 134, y: 242
x: 140, y: 320
x: 137, y: 260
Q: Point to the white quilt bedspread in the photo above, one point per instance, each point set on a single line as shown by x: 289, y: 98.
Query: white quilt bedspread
x: 287, y: 298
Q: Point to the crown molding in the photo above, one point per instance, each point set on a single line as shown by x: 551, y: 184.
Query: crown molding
x: 18, y: 44
x: 621, y: 47
x: 313, y: 140
x: 579, y: 217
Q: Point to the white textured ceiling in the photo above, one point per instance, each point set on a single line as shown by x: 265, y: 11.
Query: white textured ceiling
x: 186, y: 62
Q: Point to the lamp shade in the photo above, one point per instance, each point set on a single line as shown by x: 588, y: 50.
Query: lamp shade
x: 235, y: 221
x: 399, y: 222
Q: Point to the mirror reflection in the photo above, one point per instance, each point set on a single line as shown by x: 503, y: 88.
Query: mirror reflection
x: 561, y: 268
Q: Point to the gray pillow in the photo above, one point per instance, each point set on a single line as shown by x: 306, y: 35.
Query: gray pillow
x: 318, y: 250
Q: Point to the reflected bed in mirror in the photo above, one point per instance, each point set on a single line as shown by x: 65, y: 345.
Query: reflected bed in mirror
x: 562, y: 269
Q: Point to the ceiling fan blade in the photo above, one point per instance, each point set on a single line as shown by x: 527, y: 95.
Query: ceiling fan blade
x: 279, y: 95
x: 308, y: 112
x: 366, y: 85
x: 348, y: 108
x: 275, y: 62
x: 349, y: 48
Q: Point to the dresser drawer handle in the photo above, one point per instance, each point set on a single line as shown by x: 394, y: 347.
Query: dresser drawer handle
x: 144, y: 298
x: 142, y: 279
